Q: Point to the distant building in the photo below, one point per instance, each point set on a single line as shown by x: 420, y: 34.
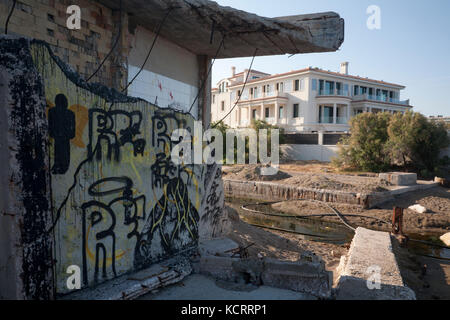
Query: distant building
x: 306, y: 100
x: 446, y: 120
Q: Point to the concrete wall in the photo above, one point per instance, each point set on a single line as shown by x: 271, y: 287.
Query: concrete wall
x: 172, y: 82
x: 109, y: 195
x: 308, y: 152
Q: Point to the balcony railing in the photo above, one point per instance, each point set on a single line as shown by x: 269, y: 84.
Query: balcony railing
x: 371, y: 97
x: 330, y: 120
x: 336, y: 92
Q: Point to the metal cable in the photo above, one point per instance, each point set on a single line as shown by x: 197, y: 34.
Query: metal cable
x: 9, y: 16
x: 243, y: 88
x: 151, y: 48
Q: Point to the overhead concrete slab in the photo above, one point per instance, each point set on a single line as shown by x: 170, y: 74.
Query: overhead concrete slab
x: 199, y: 25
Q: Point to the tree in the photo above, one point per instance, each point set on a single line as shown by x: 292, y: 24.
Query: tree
x: 364, y: 149
x: 380, y: 141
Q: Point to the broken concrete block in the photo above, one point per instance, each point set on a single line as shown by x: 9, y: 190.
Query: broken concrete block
x: 446, y: 239
x: 370, y: 270
x: 300, y: 276
x: 418, y: 208
x: 442, y: 181
x: 399, y: 178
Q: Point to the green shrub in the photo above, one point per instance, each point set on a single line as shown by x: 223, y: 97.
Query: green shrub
x: 381, y: 141
x: 364, y: 148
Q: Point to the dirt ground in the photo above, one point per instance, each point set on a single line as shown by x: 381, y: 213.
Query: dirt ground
x: 314, y: 176
x: 281, y: 245
x: 428, y: 277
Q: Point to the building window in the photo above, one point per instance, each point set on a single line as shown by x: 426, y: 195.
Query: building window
x: 295, y: 110
x: 254, y: 114
x: 326, y: 114
x: 280, y: 87
x: 355, y: 90
x: 280, y: 113
x: 346, y: 93
x: 222, y: 105
x: 314, y: 84
x: 267, y: 112
x: 339, y: 88
x: 297, y: 85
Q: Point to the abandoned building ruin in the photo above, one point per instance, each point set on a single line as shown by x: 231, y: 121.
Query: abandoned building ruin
x: 87, y: 175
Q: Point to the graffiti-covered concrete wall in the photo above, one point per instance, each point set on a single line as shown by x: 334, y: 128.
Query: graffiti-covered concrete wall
x: 112, y: 199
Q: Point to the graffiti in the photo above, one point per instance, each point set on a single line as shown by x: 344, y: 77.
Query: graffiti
x: 61, y: 127
x: 119, y: 202
x: 174, y: 217
x: 104, y: 125
x: 99, y: 219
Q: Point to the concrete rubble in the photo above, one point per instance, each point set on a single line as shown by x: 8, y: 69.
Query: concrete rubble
x: 418, y: 208
x: 307, y: 275
x: 446, y: 239
x: 399, y: 178
x: 132, y: 286
x: 370, y: 271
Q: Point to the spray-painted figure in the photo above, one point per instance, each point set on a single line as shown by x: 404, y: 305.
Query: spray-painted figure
x: 61, y: 126
x: 172, y: 224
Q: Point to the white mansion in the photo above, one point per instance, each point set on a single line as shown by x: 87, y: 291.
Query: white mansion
x: 307, y: 100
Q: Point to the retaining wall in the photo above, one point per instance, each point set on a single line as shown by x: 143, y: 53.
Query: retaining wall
x: 271, y: 191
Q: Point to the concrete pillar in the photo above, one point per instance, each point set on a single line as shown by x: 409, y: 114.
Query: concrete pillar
x: 320, y: 114
x: 263, y: 114
x: 249, y: 115
x: 276, y: 112
x: 321, y: 138
x: 334, y: 113
x: 348, y: 112
x: 239, y: 116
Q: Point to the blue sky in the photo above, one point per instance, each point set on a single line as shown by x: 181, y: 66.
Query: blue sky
x: 412, y: 47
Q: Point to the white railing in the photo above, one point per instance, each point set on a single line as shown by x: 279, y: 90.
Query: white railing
x: 372, y: 97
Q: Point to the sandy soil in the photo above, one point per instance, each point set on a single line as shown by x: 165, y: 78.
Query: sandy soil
x: 281, y: 245
x: 312, y: 179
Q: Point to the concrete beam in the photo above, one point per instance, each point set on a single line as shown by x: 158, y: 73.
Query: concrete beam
x: 370, y: 270
x: 191, y: 22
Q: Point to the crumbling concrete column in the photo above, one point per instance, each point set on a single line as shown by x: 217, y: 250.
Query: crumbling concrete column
x: 25, y: 216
